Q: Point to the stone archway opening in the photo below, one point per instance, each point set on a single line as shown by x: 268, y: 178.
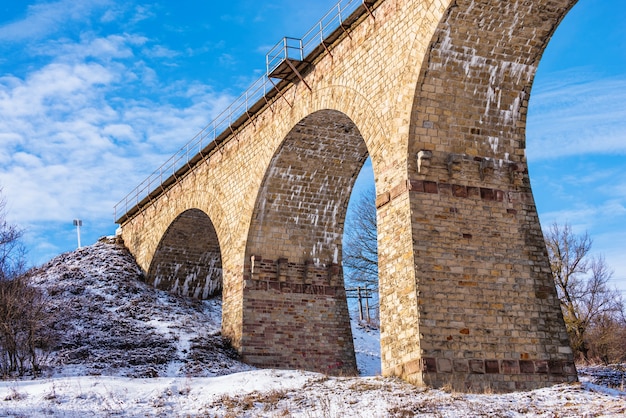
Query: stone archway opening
x: 188, y: 259
x: 295, y: 313
x: 576, y: 146
x: 360, y: 270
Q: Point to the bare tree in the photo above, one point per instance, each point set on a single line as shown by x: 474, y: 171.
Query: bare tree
x: 25, y: 324
x: 360, y: 245
x: 607, y: 339
x: 582, y: 285
x: 12, y: 252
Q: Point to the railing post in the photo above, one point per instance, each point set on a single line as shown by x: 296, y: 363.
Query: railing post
x: 367, y: 305
x: 286, y: 47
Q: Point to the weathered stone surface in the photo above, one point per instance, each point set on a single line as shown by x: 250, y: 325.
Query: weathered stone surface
x: 436, y: 93
x: 188, y: 259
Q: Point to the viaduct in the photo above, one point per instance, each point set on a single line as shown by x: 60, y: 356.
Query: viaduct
x: 436, y: 93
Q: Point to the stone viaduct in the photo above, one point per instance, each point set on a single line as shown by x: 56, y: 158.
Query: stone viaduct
x: 436, y: 93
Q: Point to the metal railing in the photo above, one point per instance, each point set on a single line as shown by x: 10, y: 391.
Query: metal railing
x: 287, y: 48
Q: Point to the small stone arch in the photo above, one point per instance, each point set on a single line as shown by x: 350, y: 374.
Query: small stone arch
x: 188, y: 259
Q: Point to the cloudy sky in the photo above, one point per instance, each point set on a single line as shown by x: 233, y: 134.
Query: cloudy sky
x: 96, y: 94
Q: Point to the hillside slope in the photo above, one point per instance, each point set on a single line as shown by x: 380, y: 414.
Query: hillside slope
x: 112, y: 323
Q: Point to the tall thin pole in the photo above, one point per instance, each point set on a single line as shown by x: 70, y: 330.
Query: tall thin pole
x: 367, y: 304
x: 358, y: 289
x: 78, y: 223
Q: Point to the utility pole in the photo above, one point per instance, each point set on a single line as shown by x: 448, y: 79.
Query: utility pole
x: 358, y: 290
x: 78, y: 223
x: 367, y: 305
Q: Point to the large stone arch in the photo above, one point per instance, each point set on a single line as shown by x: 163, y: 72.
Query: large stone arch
x: 306, y: 189
x: 482, y: 300
x: 293, y: 279
x: 474, y: 86
x: 373, y: 128
x: 356, y: 107
x: 188, y: 258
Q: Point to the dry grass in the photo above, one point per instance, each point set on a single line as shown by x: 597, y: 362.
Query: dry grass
x: 365, y: 386
x: 237, y: 404
x: 14, y: 395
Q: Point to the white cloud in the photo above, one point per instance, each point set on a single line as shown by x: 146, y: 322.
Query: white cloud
x: 580, y: 219
x: 142, y: 12
x: 159, y: 51
x: 54, y: 88
x: 90, y: 46
x: 119, y: 131
x: 619, y: 189
x: 78, y: 134
x: 46, y: 18
x: 577, y: 114
x: 584, y: 215
x: 227, y: 60
x: 26, y: 160
x: 591, y: 175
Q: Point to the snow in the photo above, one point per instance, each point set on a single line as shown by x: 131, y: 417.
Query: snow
x: 270, y: 393
x: 130, y: 350
x: 366, y: 348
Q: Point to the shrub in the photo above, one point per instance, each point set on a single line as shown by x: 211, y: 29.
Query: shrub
x: 26, y: 335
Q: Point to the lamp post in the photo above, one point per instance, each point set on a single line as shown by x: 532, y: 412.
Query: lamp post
x: 78, y: 223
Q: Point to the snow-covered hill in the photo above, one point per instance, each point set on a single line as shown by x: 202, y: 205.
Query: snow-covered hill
x: 112, y: 323
x: 127, y: 349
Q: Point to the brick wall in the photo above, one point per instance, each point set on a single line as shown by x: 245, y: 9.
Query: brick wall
x: 301, y: 308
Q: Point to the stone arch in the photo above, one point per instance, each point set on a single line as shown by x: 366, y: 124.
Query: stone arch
x: 361, y: 112
x: 306, y: 189
x: 484, y: 303
x: 475, y: 82
x: 293, y: 278
x: 188, y: 258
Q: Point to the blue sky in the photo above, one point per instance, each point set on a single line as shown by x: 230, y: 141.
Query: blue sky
x: 96, y: 94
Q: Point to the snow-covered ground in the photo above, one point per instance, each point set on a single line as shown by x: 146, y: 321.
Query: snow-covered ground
x: 129, y: 350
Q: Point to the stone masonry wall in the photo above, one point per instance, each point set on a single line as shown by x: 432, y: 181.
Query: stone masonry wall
x: 489, y: 314
x: 188, y: 261
x: 435, y: 92
x: 298, y: 226
x: 301, y: 308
